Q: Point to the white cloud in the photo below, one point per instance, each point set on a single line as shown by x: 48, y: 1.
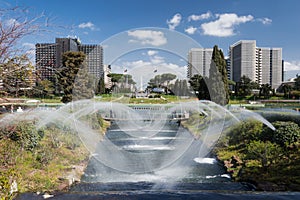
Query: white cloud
x: 265, y: 20
x: 89, y: 25
x: 290, y: 66
x: 224, y: 26
x: 190, y: 30
x: 174, y: 22
x: 144, y: 70
x: 157, y: 60
x: 151, y: 52
x: 155, y: 38
x: 199, y: 17
x: 29, y: 45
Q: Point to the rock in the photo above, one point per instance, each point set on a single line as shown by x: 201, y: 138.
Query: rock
x: 236, y: 161
x: 227, y: 164
x: 63, y: 186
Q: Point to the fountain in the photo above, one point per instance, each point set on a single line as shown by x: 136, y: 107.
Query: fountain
x: 146, y: 148
x: 139, y: 145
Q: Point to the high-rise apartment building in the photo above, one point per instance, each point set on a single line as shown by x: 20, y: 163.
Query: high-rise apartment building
x: 94, y: 59
x: 46, y: 60
x: 199, y: 60
x: 49, y: 56
x: 243, y: 60
x: 262, y: 65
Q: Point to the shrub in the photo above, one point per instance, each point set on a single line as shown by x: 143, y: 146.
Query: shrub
x: 286, y: 133
x: 265, y: 152
x: 22, y: 132
x: 244, y: 132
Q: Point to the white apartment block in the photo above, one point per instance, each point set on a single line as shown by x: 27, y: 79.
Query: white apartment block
x: 262, y: 65
x: 199, y: 60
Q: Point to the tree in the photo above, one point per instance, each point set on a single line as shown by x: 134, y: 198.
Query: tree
x: 180, y: 88
x: 101, y: 86
x: 115, y: 78
x: 43, y: 88
x: 85, y: 84
x: 161, y: 80
x: 166, y: 78
x: 15, y: 24
x: 245, y: 86
x: 265, y: 90
x: 198, y: 84
x: 121, y: 81
x: 218, y: 78
x: 16, y: 75
x: 72, y: 62
x: 287, y: 89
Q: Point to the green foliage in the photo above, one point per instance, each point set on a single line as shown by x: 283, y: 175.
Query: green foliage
x: 295, y: 94
x: 121, y: 82
x: 286, y: 133
x: 16, y: 73
x: 218, y: 78
x: 180, y: 88
x: 244, y: 86
x: 37, y: 164
x: 287, y: 89
x: 6, y: 179
x: 161, y: 80
x: 100, y: 87
x: 265, y: 90
x: 84, y: 85
x: 115, y: 78
x: 72, y: 63
x: 266, y: 152
x: 24, y: 133
x: 245, y: 132
x: 43, y: 89
x: 267, y: 156
x: 199, y: 85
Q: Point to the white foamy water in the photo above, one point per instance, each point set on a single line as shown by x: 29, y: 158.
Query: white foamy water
x: 205, y: 160
x: 216, y: 176
x: 147, y: 147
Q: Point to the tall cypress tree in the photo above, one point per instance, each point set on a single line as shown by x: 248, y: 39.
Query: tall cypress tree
x: 218, y: 80
x: 72, y: 62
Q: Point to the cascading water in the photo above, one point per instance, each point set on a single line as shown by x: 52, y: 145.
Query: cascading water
x: 145, y: 143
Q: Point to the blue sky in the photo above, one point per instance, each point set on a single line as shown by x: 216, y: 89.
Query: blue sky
x: 223, y: 22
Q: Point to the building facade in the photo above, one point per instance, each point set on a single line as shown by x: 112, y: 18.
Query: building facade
x: 262, y: 65
x: 199, y: 60
x: 48, y: 57
x: 46, y: 60
x: 94, y: 59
